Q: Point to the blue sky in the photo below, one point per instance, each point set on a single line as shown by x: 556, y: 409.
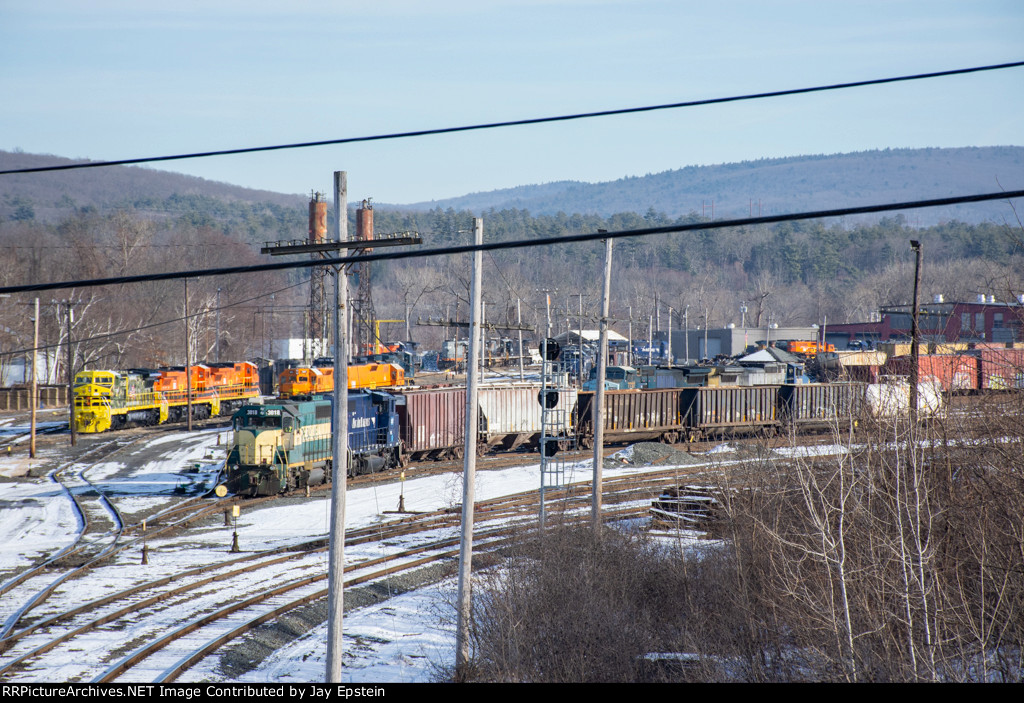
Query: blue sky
x: 110, y: 79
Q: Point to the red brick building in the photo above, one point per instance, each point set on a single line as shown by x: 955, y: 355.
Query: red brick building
x: 983, y: 320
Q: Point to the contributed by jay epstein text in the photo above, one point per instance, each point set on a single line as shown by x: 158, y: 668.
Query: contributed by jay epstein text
x: 293, y: 692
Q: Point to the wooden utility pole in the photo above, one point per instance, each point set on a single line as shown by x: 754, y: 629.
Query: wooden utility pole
x: 602, y: 366
x: 188, y: 365
x: 71, y: 376
x: 339, y: 441
x: 469, y: 465
x: 915, y: 332
x: 35, y: 385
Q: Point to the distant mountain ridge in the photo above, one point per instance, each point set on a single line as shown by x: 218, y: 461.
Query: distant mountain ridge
x: 765, y: 186
x: 52, y: 195
x: 774, y: 186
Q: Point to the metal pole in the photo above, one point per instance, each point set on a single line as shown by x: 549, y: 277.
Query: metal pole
x: 915, y: 332
x: 706, y: 355
x: 579, y: 380
x: 547, y: 297
x: 602, y: 366
x: 35, y: 387
x: 339, y: 442
x: 408, y: 327
x: 670, y: 336
x: 631, y: 362
x: 71, y: 376
x: 650, y: 338
x: 469, y: 465
x: 686, y: 331
x: 519, y: 323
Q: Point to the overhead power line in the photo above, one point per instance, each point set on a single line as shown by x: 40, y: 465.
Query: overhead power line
x: 519, y: 123
x: 517, y: 244
x: 239, y: 305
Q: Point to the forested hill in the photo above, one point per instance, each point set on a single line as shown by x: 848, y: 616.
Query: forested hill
x: 781, y: 185
x: 51, y: 196
x: 766, y: 186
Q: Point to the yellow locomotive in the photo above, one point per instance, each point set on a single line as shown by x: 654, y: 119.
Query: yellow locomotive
x: 109, y: 400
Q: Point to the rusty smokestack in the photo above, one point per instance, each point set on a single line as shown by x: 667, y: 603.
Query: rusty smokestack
x: 317, y: 218
x: 364, y: 223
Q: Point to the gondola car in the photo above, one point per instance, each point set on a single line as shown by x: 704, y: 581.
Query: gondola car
x: 286, y: 444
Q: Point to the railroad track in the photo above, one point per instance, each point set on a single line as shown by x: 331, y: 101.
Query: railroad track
x: 102, y: 535
x: 216, y: 600
x: 221, y: 597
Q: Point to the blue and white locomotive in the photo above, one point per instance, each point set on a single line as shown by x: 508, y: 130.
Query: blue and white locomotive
x: 286, y: 444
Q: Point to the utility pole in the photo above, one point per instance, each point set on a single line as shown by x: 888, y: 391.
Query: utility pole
x: 71, y: 375
x: 469, y: 463
x: 602, y: 366
x: 339, y: 441
x: 35, y: 387
x: 915, y: 333
x: 188, y: 365
x: 218, y: 325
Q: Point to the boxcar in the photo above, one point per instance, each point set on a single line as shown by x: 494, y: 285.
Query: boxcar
x: 952, y: 372
x: 1000, y: 369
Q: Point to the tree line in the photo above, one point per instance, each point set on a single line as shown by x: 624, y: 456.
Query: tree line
x: 789, y: 273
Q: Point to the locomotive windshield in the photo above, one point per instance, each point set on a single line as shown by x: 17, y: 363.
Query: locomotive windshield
x: 262, y: 422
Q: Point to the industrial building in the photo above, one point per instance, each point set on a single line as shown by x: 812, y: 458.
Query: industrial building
x: 983, y: 320
x: 732, y: 340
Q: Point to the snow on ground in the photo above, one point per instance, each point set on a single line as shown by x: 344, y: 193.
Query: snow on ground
x: 36, y: 519
x: 406, y: 638
x: 818, y: 450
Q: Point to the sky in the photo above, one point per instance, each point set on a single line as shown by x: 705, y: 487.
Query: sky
x: 113, y: 79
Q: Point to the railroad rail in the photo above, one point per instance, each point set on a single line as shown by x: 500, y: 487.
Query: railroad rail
x: 28, y: 648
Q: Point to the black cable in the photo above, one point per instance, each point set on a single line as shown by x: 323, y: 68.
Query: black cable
x: 121, y: 333
x: 516, y: 244
x: 518, y: 123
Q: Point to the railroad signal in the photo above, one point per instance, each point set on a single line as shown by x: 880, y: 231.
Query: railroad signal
x: 549, y: 349
x: 549, y: 447
x: 548, y: 398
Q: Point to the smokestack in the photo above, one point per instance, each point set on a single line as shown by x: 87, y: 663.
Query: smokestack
x: 364, y: 223
x: 317, y: 218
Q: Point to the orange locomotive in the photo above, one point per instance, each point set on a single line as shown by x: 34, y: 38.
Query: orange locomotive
x: 809, y: 348
x: 311, y: 380
x: 106, y: 400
